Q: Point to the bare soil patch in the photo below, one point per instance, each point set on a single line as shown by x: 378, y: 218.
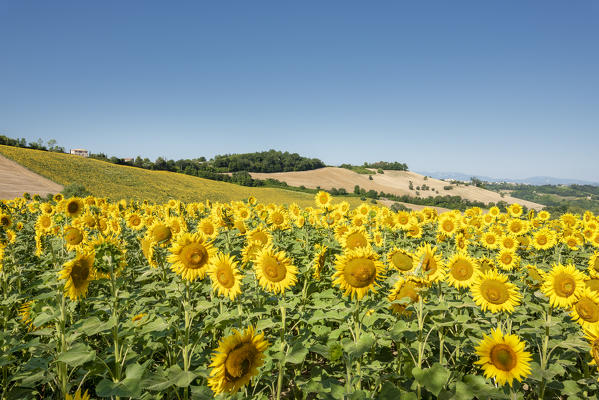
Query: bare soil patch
x: 16, y: 180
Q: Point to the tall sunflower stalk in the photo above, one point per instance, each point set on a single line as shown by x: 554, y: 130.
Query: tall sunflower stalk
x: 544, y: 352
x: 5, y: 315
x: 61, y: 344
x: 186, y: 348
x: 283, y: 350
x: 118, y: 358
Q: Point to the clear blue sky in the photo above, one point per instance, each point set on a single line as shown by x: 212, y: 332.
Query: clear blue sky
x: 502, y: 88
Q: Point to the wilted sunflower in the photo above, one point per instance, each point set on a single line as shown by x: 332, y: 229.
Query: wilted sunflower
x: 223, y: 273
x: 236, y: 360
x: 358, y: 271
x: 586, y: 309
x: 503, y: 358
x: 492, y: 291
x: 401, y: 260
x: 274, y: 270
x: 407, y: 288
x: 461, y: 270
x: 318, y: 261
x: 427, y: 263
x: 190, y: 256
x: 563, y: 285
x: 73, y: 207
x: 78, y: 273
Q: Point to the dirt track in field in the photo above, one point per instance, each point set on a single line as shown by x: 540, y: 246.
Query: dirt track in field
x: 16, y: 180
x: 394, y: 182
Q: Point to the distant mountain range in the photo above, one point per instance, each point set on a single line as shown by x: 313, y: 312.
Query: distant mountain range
x: 535, y: 180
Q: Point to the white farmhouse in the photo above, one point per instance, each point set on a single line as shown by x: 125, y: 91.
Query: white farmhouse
x: 80, y: 152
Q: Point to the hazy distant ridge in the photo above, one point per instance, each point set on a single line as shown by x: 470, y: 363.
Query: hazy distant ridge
x: 534, y: 180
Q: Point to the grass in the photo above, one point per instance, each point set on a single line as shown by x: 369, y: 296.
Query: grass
x: 123, y: 182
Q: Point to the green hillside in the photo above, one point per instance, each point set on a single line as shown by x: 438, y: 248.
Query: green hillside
x: 122, y: 182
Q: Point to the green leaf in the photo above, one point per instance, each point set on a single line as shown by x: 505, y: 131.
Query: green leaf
x: 77, y: 355
x: 91, y: 326
x: 296, y: 354
x: 433, y: 379
x: 128, y: 387
x: 364, y: 344
x: 389, y: 392
x: 475, y: 386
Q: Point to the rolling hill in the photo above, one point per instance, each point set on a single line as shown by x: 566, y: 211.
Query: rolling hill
x: 394, y: 182
x: 122, y: 182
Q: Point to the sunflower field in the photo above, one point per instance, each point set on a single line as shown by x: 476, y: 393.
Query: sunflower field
x: 245, y: 300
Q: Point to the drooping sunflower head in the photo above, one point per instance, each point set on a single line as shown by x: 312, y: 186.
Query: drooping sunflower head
x: 319, y: 260
x: 401, y: 260
x: 503, y: 358
x: 357, y: 271
x: 236, y: 360
x: 110, y: 256
x: 190, y: 255
x: 225, y: 277
x: 563, y: 285
x: 406, y: 290
x: 428, y: 264
x: 355, y: 237
x: 274, y: 270
x: 492, y: 291
x: 78, y: 273
x: 461, y: 270
x: 73, y: 207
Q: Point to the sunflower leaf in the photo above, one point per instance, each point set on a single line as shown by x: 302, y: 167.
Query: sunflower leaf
x: 433, y: 379
x: 77, y: 355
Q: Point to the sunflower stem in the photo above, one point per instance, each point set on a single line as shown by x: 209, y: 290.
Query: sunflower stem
x: 357, y: 330
x: 420, y: 342
x: 282, y: 361
x: 62, y: 371
x: 544, y: 355
x: 115, y: 329
x: 185, y: 350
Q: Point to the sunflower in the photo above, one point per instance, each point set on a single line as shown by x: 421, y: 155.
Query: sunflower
x: 110, y: 256
x: 402, y: 219
x: 447, y: 224
x: 594, y: 265
x: 563, y: 285
x: 58, y: 197
x: 73, y: 207
x: 591, y: 333
x: 134, y: 221
x: 323, y: 199
x: 278, y: 219
x: 573, y: 241
x: 25, y: 315
x: 226, y: 280
x: 73, y: 237
x: 414, y: 231
x: 78, y: 273
x: 274, y: 270
x: 586, y: 309
x: 534, y: 276
x: 490, y: 240
x: 250, y: 251
x: 405, y: 288
x: 47, y: 209
x: 358, y: 271
x: 259, y: 234
x: 159, y: 232
x: 515, y: 210
x: 503, y: 358
x: 236, y: 360
x: 428, y: 263
x: 354, y: 238
x: 462, y: 270
x: 517, y: 227
x: 492, y: 291
x: 5, y: 220
x: 190, y: 255
x: 507, y: 259
x: 78, y: 395
x: 208, y: 227
x: 319, y: 260
x: 544, y: 239
x: 401, y: 260
x: 509, y: 242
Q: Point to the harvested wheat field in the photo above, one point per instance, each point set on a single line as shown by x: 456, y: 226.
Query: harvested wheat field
x: 394, y: 182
